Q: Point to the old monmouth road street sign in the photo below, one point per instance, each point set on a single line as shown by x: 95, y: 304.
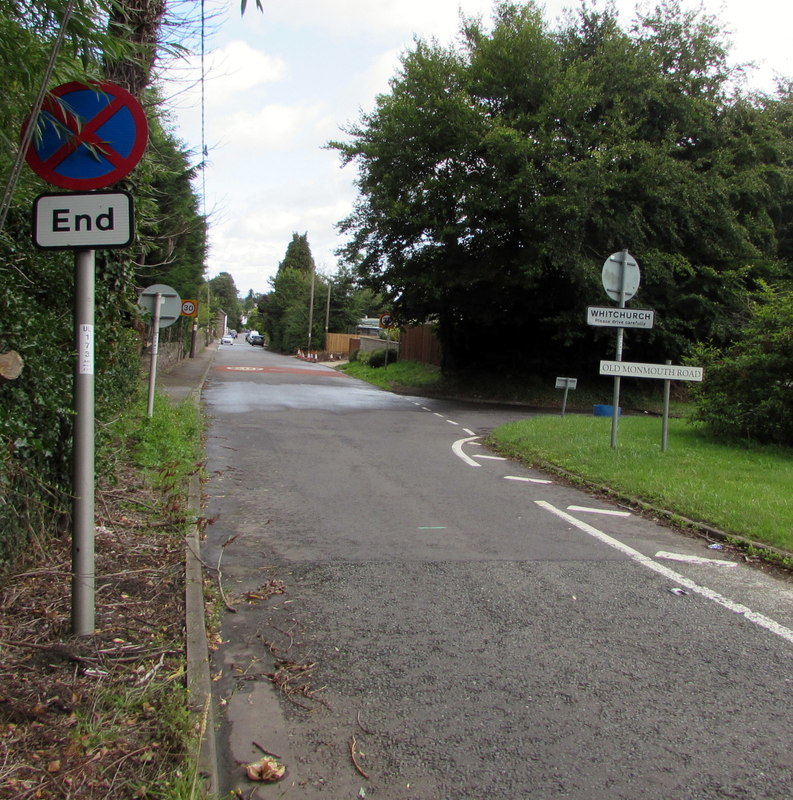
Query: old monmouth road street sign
x: 609, y: 317
x: 664, y: 372
x: 94, y: 220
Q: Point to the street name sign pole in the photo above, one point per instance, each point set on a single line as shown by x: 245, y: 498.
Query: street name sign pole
x: 566, y: 384
x: 89, y: 137
x: 665, y: 372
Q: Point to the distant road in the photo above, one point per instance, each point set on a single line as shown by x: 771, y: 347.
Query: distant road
x: 481, y: 630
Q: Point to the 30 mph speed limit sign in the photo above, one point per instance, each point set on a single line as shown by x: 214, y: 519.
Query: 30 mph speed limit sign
x: 189, y: 308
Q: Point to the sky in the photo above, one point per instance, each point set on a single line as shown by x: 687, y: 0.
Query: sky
x: 281, y: 84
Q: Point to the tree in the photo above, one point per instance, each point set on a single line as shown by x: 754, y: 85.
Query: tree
x: 746, y: 391
x: 496, y: 177
x: 224, y: 296
x: 285, y: 310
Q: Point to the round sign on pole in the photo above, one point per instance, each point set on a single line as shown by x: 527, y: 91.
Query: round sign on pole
x: 189, y: 308
x: 88, y: 137
x: 170, y: 303
x: 612, y: 276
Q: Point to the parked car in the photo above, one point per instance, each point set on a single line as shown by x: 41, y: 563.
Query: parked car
x: 256, y: 339
x: 249, y: 334
x: 226, y: 339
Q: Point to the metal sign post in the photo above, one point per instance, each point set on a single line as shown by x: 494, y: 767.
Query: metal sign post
x: 165, y: 307
x: 566, y: 384
x: 91, y: 136
x: 83, y: 535
x: 620, y: 277
x: 155, y: 349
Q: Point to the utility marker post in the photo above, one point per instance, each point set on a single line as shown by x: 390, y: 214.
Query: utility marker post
x: 83, y: 524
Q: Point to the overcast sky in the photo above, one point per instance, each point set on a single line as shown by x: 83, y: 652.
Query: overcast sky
x: 282, y: 83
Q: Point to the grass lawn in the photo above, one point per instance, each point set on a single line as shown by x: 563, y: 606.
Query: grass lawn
x: 741, y: 490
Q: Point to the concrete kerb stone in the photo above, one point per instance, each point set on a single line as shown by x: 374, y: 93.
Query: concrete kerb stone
x: 199, y: 682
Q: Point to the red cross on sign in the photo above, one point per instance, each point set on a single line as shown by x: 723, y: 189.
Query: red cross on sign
x: 88, y: 136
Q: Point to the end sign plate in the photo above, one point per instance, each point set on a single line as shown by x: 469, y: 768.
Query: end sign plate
x: 95, y: 220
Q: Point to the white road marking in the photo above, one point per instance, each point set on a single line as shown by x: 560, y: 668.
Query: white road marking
x: 525, y: 480
x: 605, y: 511
x: 491, y: 458
x: 716, y: 562
x: 457, y: 449
x: 738, y: 608
x: 438, y: 414
x: 469, y: 431
x: 452, y: 422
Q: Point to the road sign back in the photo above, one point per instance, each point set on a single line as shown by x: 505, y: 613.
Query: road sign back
x: 88, y: 137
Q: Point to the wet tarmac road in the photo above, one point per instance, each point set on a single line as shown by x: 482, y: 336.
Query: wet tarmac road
x: 481, y: 630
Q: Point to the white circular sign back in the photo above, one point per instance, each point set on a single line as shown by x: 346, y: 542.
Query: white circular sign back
x: 612, y: 275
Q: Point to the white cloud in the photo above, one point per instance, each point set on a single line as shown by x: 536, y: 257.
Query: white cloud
x: 274, y: 127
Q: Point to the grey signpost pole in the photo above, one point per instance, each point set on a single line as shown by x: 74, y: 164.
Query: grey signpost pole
x: 155, y: 348
x: 615, y: 411
x: 83, y: 570
x: 665, y: 420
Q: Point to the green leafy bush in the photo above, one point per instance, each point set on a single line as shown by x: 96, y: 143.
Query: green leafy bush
x: 747, y: 390
x: 377, y: 358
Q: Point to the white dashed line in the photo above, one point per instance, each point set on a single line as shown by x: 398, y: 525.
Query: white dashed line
x: 604, y: 511
x: 738, y: 608
x: 457, y: 449
x: 525, y: 480
x: 714, y: 562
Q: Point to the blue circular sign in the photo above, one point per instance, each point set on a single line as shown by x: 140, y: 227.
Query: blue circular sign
x: 88, y: 137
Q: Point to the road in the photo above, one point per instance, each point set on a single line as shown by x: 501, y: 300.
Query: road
x: 450, y: 625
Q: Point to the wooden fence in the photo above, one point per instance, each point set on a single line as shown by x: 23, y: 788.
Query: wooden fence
x: 415, y: 344
x: 420, y: 344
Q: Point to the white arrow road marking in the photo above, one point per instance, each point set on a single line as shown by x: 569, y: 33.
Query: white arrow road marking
x: 457, y: 449
x: 606, y: 511
x: 715, y: 562
x: 670, y: 574
x: 525, y: 480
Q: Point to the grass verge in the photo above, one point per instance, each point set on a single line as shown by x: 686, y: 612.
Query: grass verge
x: 400, y: 376
x: 106, y: 716
x: 741, y: 490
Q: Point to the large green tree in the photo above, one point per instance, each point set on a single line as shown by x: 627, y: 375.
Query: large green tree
x: 496, y: 177
x: 285, y: 309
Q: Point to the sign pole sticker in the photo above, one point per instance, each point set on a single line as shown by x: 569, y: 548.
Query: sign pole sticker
x: 88, y: 136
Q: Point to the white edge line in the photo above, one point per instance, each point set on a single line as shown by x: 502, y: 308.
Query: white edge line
x: 491, y: 458
x: 457, y: 449
x: 753, y: 616
x: 525, y: 480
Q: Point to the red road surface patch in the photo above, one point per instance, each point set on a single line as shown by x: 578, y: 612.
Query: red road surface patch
x: 285, y: 371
